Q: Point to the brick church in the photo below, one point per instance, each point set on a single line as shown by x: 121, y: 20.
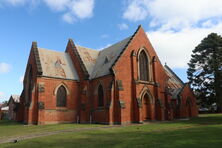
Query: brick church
x: 123, y: 83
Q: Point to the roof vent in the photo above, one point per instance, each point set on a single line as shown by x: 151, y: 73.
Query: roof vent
x: 58, y: 63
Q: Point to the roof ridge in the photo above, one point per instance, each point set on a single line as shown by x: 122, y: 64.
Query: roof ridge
x: 131, y: 38
x: 166, y: 66
x: 115, y: 43
x: 52, y: 50
x: 37, y: 58
x: 88, y: 48
x: 82, y: 65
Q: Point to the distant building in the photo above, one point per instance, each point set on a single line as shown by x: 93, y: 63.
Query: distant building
x: 1, y: 114
x: 123, y: 83
x: 13, y: 106
x: 4, y: 112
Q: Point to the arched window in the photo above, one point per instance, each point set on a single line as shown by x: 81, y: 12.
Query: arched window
x: 143, y: 66
x: 146, y: 99
x: 100, y: 96
x: 61, y: 97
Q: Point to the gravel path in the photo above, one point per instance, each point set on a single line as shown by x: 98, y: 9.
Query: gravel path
x: 30, y: 136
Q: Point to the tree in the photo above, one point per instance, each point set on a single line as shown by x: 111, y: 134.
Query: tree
x: 205, y: 71
x: 4, y: 103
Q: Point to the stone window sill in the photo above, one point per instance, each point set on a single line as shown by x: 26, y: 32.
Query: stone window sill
x: 145, y: 82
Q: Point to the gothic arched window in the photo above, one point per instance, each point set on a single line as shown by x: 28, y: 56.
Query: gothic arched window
x: 143, y: 66
x: 61, y: 97
x: 100, y: 96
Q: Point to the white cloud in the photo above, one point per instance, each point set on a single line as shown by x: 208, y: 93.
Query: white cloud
x: 179, y: 25
x: 16, y: 2
x: 175, y: 48
x: 123, y: 26
x: 19, y: 2
x: 173, y: 14
x: 71, y: 9
x: 69, y: 18
x: 21, y: 78
x: 104, y: 36
x: 4, y: 67
x: 83, y: 8
x: 136, y: 10
x: 57, y: 5
x: 1, y: 95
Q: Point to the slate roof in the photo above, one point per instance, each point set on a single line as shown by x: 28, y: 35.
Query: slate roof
x: 107, y: 58
x: 175, y: 84
x: 57, y: 64
x: 98, y: 63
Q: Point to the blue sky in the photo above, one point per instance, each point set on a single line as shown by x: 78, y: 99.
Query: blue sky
x: 174, y: 28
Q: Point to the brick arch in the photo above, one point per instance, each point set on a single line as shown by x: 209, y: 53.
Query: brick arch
x: 57, y: 87
x: 145, y: 91
x: 100, y: 96
x: 143, y: 49
x: 147, y: 102
x: 189, y: 101
x: 97, y: 86
x: 96, y: 95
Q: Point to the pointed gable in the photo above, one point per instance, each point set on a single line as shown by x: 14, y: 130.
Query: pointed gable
x: 14, y: 98
x: 107, y: 57
x: 99, y: 63
x: 94, y: 63
x: 88, y: 56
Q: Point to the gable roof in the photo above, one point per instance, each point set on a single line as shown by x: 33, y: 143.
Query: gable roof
x: 175, y: 84
x: 57, y: 64
x: 107, y: 58
x: 99, y: 63
x: 174, y: 81
x: 94, y: 63
x: 88, y: 56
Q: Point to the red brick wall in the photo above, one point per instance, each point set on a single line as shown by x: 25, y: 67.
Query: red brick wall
x: 30, y: 112
x: 120, y: 105
x: 11, y: 112
x: 20, y: 112
x: 51, y: 113
x: 184, y: 110
x: 101, y: 114
x: 126, y: 69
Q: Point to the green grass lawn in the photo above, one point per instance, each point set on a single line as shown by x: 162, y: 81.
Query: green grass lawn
x: 10, y: 128
x: 202, y: 132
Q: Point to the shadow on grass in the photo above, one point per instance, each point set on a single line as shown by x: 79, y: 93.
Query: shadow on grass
x: 209, y: 119
x: 203, y: 136
x: 9, y: 122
